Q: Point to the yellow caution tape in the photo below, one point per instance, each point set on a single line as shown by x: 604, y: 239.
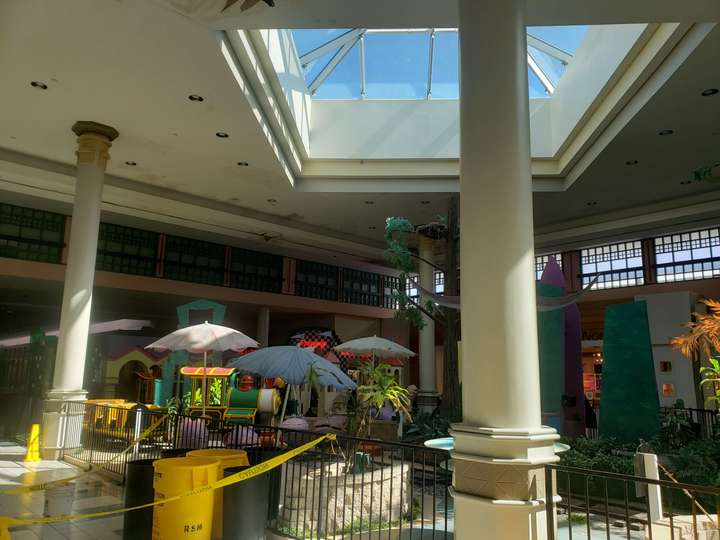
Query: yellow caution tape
x: 261, y: 468
x: 93, y: 468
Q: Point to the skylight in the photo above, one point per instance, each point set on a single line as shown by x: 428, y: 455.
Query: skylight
x: 418, y: 63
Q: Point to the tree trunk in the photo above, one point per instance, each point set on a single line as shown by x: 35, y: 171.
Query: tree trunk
x: 452, y: 398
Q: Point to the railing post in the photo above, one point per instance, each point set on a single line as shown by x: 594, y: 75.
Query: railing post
x: 549, y: 503
x: 320, y: 493
x: 136, y: 432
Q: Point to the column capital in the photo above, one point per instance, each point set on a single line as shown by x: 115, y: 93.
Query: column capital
x: 81, y: 127
x: 94, y: 141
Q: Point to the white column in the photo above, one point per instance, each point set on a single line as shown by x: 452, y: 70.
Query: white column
x: 427, y: 394
x: 501, y: 447
x: 263, y: 327
x: 94, y: 141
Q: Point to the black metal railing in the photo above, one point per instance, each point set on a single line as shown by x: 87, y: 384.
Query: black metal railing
x: 350, y: 487
x: 584, y: 503
x: 704, y: 422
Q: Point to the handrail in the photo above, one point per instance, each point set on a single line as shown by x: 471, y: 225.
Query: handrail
x: 709, y: 490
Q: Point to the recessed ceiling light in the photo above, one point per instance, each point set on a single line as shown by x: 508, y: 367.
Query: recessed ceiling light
x: 195, y: 97
x: 222, y: 135
x: 632, y: 162
x: 372, y: 227
x: 685, y: 182
x: 666, y: 132
x: 243, y: 164
x: 130, y: 163
x: 424, y: 202
x: 272, y: 201
x: 38, y: 84
x: 369, y: 202
x: 591, y: 203
x: 709, y: 92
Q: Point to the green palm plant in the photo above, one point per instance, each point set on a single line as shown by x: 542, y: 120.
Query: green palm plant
x: 711, y: 375
x: 379, y: 387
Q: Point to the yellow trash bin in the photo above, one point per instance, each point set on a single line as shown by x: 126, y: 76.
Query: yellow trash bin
x: 190, y: 517
x: 227, y: 458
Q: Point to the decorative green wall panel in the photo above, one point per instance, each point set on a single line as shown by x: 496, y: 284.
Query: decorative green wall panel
x: 629, y: 404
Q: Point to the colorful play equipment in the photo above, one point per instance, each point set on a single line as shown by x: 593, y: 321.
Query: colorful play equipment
x: 190, y: 517
x: 235, y: 401
x: 113, y: 417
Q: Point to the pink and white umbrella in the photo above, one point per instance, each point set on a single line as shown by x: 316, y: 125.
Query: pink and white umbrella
x: 204, y: 338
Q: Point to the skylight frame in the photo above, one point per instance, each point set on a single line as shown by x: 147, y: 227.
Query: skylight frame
x: 344, y: 43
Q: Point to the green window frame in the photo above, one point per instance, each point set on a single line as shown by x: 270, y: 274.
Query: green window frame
x: 316, y: 280
x: 192, y: 260
x: 33, y: 235
x: 127, y: 250
x: 255, y: 271
x: 361, y: 287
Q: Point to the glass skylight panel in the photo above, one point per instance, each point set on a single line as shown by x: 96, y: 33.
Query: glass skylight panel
x: 308, y: 40
x: 396, y: 64
x: 567, y: 38
x: 536, y: 87
x: 552, y: 67
x: 344, y: 81
x: 422, y: 63
x: 446, y: 66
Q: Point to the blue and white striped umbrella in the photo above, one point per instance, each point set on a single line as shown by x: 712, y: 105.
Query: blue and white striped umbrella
x: 292, y: 364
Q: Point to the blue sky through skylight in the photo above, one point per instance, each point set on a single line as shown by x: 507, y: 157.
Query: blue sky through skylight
x: 397, y: 62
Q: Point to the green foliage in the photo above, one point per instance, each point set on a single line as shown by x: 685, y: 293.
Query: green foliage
x: 676, y: 430
x: 379, y: 387
x: 398, y: 253
x: 427, y: 426
x: 602, y: 454
x: 578, y: 519
x: 698, y: 462
x: 711, y: 376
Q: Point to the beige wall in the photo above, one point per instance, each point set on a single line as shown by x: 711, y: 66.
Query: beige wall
x: 348, y: 328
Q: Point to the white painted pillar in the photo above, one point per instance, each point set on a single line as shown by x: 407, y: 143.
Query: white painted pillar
x: 427, y: 393
x: 263, y: 327
x: 501, y: 447
x: 94, y: 141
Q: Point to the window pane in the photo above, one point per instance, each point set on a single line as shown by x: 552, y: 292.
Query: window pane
x: 396, y: 64
x: 344, y: 81
x: 567, y: 38
x: 446, y: 66
x: 307, y: 40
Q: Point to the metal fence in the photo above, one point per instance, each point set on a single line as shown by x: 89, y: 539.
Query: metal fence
x: 704, y: 422
x: 594, y: 504
x: 349, y: 488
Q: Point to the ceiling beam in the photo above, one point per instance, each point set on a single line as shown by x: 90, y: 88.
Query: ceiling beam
x: 328, y: 69
x: 330, y: 46
x: 437, y: 14
x: 547, y: 48
x: 537, y: 70
x: 430, y: 63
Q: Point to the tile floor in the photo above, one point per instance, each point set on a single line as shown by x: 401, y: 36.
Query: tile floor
x: 92, y: 493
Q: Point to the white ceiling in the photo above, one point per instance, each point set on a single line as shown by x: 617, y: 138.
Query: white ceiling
x: 132, y: 64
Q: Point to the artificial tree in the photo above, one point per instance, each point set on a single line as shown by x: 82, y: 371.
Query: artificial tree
x: 398, y: 231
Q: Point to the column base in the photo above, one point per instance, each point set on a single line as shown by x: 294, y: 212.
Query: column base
x: 477, y: 518
x: 427, y: 400
x: 499, y: 481
x: 56, y: 420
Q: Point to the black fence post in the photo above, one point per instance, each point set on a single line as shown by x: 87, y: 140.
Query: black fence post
x: 549, y: 503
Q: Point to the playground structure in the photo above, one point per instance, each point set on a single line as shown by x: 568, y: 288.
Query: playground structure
x: 224, y: 400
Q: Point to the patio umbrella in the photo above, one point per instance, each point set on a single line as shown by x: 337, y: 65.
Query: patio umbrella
x: 292, y: 364
x: 376, y: 346
x: 202, y: 338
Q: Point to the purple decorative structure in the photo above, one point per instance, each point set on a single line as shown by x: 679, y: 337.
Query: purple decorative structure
x: 573, y: 399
